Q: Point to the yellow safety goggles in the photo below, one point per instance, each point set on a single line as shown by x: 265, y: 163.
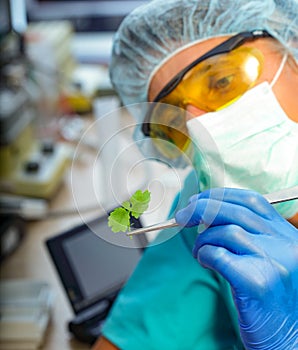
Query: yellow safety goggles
x: 210, y: 83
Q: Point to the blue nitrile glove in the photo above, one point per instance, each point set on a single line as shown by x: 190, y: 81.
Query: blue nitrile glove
x: 256, y: 251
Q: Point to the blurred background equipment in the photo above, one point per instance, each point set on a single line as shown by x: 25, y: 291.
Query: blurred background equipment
x: 94, y: 23
x: 12, y: 230
x: 29, y: 166
x: 25, y: 307
x: 86, y: 16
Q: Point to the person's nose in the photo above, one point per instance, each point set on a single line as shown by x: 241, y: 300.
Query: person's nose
x: 193, y: 112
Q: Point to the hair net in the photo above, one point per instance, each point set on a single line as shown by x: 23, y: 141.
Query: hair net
x: 154, y: 31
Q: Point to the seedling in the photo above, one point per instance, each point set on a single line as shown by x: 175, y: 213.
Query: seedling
x: 119, y: 219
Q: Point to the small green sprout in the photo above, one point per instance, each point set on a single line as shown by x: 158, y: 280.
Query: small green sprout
x: 119, y: 219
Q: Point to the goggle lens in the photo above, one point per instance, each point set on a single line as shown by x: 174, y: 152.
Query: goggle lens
x: 168, y: 130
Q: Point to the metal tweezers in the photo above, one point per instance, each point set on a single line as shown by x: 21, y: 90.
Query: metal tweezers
x: 285, y: 195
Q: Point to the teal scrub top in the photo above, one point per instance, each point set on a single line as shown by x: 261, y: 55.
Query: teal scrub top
x: 171, y: 302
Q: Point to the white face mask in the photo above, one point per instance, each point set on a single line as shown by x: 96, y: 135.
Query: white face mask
x: 250, y: 144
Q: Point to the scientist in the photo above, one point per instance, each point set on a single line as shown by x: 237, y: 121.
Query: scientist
x: 230, y: 70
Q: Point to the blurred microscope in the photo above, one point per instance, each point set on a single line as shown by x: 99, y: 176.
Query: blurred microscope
x: 28, y: 166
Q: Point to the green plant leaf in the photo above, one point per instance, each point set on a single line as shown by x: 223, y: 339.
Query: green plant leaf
x: 119, y: 220
x: 139, y: 203
x: 126, y: 205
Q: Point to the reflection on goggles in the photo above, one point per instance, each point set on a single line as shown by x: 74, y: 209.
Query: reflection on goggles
x: 210, y: 85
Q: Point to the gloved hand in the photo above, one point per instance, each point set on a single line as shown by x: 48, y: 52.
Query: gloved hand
x: 256, y: 251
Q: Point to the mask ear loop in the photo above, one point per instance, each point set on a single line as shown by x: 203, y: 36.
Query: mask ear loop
x: 281, y: 67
